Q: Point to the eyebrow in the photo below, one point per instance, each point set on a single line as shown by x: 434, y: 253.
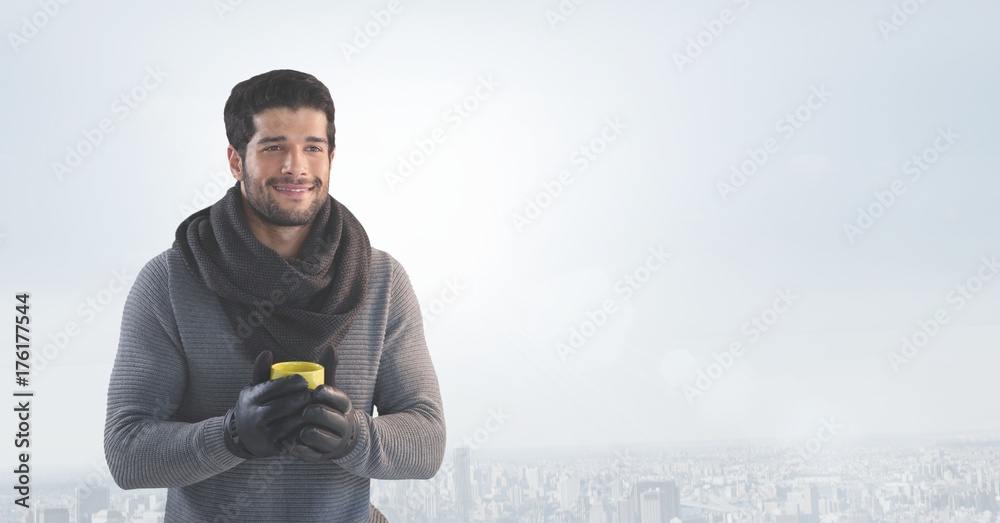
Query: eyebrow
x: 283, y: 138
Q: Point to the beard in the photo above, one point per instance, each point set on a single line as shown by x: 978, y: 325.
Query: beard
x: 268, y: 209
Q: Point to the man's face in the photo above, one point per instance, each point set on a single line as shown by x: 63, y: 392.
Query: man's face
x: 286, y: 175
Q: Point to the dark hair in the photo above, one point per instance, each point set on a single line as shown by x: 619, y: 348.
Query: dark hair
x: 278, y: 88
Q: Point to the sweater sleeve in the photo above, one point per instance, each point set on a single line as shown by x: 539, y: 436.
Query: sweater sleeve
x: 144, y: 447
x: 407, y: 438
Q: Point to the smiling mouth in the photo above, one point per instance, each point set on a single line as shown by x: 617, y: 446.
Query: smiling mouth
x: 293, y: 190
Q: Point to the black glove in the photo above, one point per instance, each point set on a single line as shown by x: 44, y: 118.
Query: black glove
x: 266, y: 412
x: 330, y: 430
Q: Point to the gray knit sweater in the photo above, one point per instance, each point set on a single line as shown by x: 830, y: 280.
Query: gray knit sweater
x: 180, y: 366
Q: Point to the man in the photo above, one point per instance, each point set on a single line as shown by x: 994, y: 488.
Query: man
x: 277, y: 270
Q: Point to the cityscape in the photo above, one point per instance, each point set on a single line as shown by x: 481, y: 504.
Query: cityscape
x: 941, y: 479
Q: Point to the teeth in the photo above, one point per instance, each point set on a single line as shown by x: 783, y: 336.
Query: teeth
x: 292, y: 190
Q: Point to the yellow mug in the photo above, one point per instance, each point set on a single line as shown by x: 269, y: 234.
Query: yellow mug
x: 312, y: 372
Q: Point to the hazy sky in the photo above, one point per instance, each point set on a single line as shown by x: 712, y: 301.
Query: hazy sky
x: 646, y: 108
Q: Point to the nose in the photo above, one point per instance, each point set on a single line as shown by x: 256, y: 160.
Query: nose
x: 295, y: 163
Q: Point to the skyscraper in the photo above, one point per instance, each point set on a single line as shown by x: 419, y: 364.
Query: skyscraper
x: 89, y: 501
x: 532, y: 476
x: 109, y: 516
x: 463, y: 483
x: 53, y: 515
x: 670, y: 497
x: 569, y: 491
x: 812, y: 500
x: 625, y: 514
x: 651, y: 506
x: 430, y: 499
x: 598, y: 512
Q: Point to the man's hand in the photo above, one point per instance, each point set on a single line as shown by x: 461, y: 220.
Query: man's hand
x: 330, y: 430
x: 266, y: 412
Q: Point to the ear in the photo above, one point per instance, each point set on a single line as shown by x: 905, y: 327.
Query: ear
x: 332, y: 152
x: 235, y: 163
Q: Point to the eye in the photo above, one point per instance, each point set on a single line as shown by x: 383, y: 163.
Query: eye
x: 272, y: 148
